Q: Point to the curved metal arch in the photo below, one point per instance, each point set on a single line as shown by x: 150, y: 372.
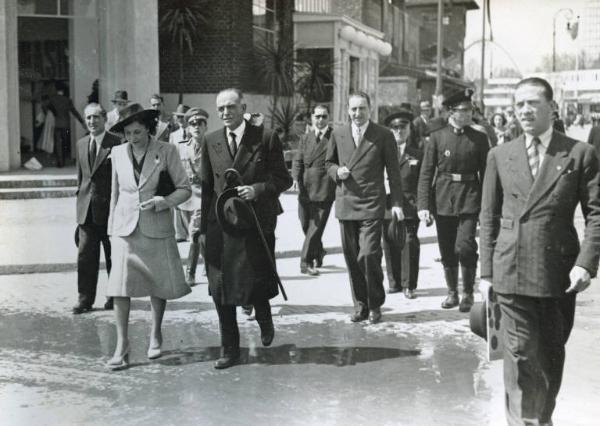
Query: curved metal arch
x: 496, y: 44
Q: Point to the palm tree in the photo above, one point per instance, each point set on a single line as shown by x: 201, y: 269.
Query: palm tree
x: 183, y: 21
x: 314, y: 76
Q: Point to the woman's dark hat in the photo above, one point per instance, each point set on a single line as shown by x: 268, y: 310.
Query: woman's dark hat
x: 233, y: 213
x: 478, y: 319
x: 396, y: 232
x: 131, y: 113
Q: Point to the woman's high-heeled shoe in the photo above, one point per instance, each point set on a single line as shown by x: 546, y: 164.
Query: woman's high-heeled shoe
x: 119, y: 362
x: 155, y: 352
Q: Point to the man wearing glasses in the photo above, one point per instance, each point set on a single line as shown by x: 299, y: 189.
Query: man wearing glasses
x: 450, y: 188
x: 316, y: 190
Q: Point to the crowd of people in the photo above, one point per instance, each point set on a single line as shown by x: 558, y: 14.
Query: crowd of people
x: 148, y: 182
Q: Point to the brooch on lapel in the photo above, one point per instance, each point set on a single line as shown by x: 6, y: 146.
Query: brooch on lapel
x: 447, y: 153
x: 157, y: 160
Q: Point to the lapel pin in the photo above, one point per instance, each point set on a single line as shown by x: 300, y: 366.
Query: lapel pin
x: 157, y: 159
x: 558, y: 167
x: 447, y: 153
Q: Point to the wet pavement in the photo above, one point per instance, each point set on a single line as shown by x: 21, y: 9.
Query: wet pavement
x: 420, y: 366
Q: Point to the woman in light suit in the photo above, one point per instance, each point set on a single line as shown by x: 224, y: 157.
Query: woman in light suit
x: 146, y: 261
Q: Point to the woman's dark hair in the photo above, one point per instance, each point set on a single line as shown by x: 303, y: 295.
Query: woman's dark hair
x: 504, y: 121
x: 148, y: 121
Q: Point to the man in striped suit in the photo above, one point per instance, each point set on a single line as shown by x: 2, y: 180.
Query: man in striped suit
x: 530, y: 252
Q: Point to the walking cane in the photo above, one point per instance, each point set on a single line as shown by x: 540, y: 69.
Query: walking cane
x: 233, y: 178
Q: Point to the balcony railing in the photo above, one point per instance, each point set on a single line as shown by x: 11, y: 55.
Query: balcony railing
x: 313, y: 6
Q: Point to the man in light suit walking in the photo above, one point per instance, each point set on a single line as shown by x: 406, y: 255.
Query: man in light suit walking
x: 530, y: 252
x: 357, y: 156
x: 93, y: 203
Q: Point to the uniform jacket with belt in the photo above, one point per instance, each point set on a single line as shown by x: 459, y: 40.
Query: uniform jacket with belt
x: 453, y: 168
x: 94, y: 181
x: 314, y: 184
x: 238, y: 267
x: 528, y: 240
x: 362, y: 195
x: 125, y: 213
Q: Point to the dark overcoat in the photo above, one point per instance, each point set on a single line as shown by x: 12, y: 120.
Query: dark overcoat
x: 238, y: 268
x: 410, y: 166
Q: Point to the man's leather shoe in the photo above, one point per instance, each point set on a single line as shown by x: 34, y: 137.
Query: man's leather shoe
x: 451, y: 301
x: 81, y: 308
x: 319, y: 260
x: 308, y: 270
x: 409, y: 294
x: 466, y: 302
x: 227, y: 361
x: 267, y: 332
x: 110, y: 304
x: 374, y: 316
x: 393, y: 290
x: 247, y: 309
x: 359, y: 316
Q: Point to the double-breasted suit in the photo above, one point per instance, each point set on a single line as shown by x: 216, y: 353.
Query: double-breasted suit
x: 360, y: 204
x: 528, y: 247
x: 316, y: 192
x: 239, y: 272
x: 402, y: 264
x: 93, y: 202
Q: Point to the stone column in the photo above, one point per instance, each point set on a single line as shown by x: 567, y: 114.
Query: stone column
x: 10, y: 151
x: 128, y: 38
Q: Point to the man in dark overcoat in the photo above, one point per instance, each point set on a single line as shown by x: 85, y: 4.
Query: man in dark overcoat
x: 316, y: 190
x: 93, y: 204
x: 358, y: 156
x: 530, y: 250
x: 238, y: 269
x: 453, y: 167
x: 402, y: 257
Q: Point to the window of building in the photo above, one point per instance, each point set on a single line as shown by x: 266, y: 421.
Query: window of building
x: 264, y: 22
x: 57, y: 8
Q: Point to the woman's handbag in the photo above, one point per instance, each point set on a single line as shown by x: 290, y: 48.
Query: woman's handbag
x: 165, y: 184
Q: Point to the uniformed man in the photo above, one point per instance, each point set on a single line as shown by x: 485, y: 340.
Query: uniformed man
x: 450, y: 188
x: 402, y: 258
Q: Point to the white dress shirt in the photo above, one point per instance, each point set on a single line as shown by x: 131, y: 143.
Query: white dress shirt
x: 358, y: 132
x: 98, y: 140
x: 239, y: 133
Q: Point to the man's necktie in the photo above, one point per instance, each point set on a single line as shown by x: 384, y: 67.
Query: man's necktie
x: 356, y: 136
x: 92, y: 153
x: 319, y: 136
x: 533, y: 156
x: 232, y: 144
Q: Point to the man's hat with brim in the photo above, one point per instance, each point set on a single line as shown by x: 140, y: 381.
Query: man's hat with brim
x: 120, y: 95
x: 478, y: 319
x: 396, y: 232
x: 131, y: 113
x: 402, y: 115
x: 458, y: 98
x: 181, y: 110
x: 196, y: 113
x: 234, y: 214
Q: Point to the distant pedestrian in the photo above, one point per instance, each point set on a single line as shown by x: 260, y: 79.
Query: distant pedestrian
x: 93, y: 203
x: 512, y: 123
x: 422, y: 122
x: 450, y: 190
x: 358, y: 155
x: 62, y: 107
x: 178, y: 132
x: 163, y: 129
x: 239, y: 269
x: 530, y: 249
x: 402, y: 257
x: 119, y: 101
x: 499, y: 123
x: 316, y: 190
x: 147, y: 182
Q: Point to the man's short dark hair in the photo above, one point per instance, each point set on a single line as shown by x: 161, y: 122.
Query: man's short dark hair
x: 322, y: 106
x: 360, y: 94
x: 539, y: 82
x: 157, y: 96
x: 96, y: 105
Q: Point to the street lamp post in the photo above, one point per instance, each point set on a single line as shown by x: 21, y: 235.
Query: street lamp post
x: 569, y: 17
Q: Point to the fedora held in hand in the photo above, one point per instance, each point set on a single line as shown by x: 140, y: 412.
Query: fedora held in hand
x: 233, y: 213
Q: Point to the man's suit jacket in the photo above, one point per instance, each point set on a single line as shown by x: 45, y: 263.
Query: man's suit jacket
x: 125, y: 213
x: 94, y: 181
x: 594, y: 139
x: 421, y: 127
x: 163, y: 131
x: 314, y: 184
x: 239, y: 271
x: 410, y: 166
x: 528, y: 241
x: 362, y: 196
